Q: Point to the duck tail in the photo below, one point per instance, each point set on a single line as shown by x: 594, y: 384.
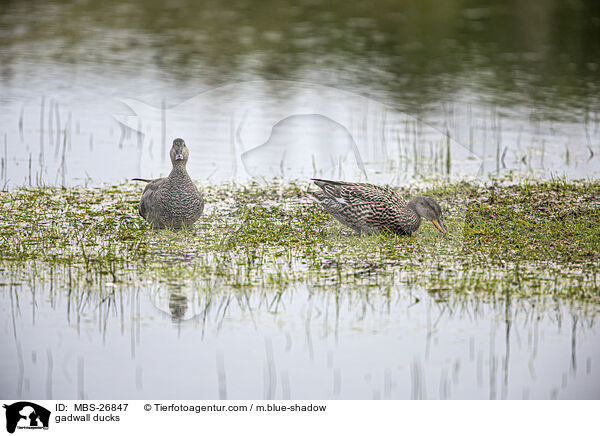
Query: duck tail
x: 331, y: 185
x: 329, y: 182
x: 332, y: 188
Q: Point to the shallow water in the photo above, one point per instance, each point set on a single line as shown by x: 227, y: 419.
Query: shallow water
x: 93, y: 94
x: 301, y: 343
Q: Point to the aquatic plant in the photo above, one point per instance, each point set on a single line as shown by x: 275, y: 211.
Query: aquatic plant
x: 529, y: 238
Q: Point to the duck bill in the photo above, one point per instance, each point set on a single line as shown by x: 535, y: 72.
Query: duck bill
x: 178, y: 155
x: 439, y: 225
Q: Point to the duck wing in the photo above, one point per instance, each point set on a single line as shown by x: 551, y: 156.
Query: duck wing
x: 364, y: 207
x: 147, y: 199
x: 358, y: 194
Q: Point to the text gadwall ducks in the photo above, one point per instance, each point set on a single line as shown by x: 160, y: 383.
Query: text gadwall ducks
x: 172, y: 201
x: 370, y: 209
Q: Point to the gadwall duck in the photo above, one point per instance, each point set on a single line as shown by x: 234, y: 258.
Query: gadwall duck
x: 370, y: 209
x: 172, y: 201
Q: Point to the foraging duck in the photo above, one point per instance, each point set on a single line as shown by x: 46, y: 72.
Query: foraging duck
x: 371, y: 209
x: 172, y: 201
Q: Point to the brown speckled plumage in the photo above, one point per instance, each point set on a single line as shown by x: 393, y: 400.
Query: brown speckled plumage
x: 370, y: 209
x: 172, y: 201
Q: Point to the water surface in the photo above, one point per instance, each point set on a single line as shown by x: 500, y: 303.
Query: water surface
x: 294, y: 343
x: 516, y: 84
x: 93, y: 94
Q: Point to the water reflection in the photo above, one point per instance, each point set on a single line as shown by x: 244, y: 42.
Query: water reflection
x: 408, y: 49
x: 178, y: 302
x: 526, y: 103
x: 297, y: 343
x: 178, y: 306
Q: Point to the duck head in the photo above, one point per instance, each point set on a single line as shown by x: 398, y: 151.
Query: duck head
x: 179, y: 152
x: 428, y: 208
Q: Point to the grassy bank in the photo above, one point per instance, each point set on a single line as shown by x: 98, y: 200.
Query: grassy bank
x: 523, y: 239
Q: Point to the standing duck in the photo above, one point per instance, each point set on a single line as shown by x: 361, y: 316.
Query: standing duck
x: 371, y: 209
x: 172, y: 201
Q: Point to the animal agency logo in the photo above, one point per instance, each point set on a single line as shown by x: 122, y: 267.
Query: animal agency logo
x: 26, y: 415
